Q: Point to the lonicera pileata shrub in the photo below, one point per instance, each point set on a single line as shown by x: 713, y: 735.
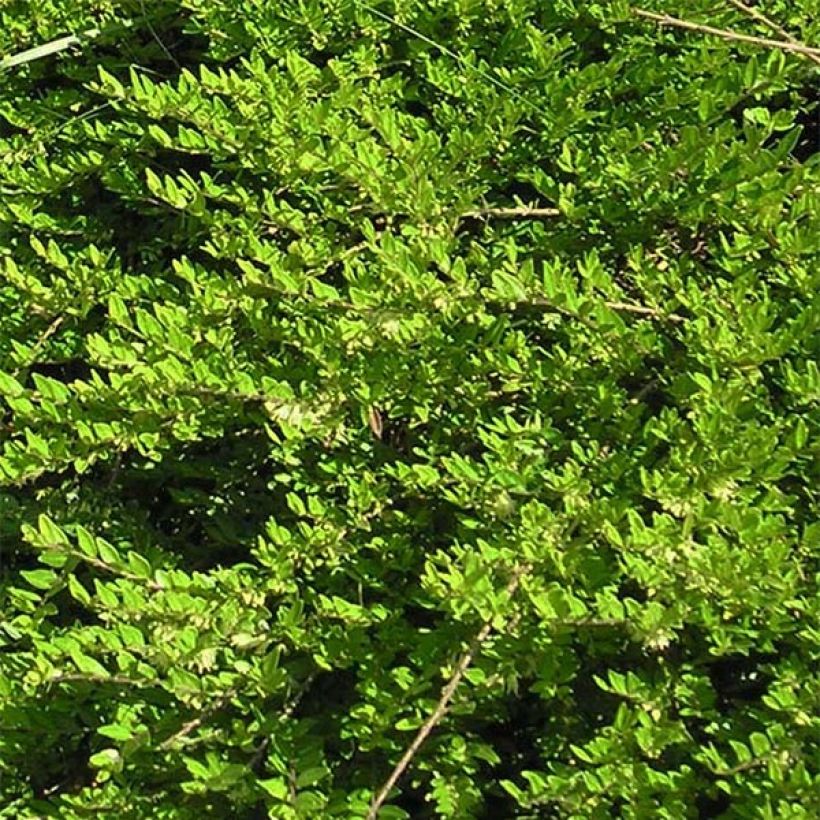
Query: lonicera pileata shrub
x: 337, y: 338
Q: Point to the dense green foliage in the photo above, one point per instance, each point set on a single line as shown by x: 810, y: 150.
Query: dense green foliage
x: 286, y: 400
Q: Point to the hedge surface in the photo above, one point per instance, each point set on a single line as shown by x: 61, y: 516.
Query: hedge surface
x: 338, y: 340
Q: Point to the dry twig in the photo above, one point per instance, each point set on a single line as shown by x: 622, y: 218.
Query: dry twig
x: 756, y: 14
x: 726, y: 34
x: 38, y: 345
x: 443, y: 702
x: 642, y: 310
x: 622, y: 307
x: 195, y: 723
x: 287, y: 712
x: 512, y: 213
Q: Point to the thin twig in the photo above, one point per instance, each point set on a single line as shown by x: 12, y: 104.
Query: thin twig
x: 467, y: 66
x: 642, y: 310
x: 287, y: 712
x: 512, y: 213
x: 193, y: 725
x: 154, y: 586
x: 644, y: 391
x: 443, y: 702
x: 297, y: 698
x: 624, y: 307
x: 38, y: 345
x: 120, y: 680
x: 54, y: 47
x: 156, y: 36
x: 743, y: 767
x: 726, y: 34
x: 259, y: 754
x: 756, y: 14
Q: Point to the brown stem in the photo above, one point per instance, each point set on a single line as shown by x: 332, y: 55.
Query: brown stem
x: 758, y: 15
x: 290, y: 708
x: 44, y: 336
x: 193, y: 725
x: 121, y: 573
x: 120, y: 680
x: 443, y: 703
x: 743, y: 767
x: 725, y: 34
x: 625, y: 307
x: 512, y: 213
x: 642, y: 310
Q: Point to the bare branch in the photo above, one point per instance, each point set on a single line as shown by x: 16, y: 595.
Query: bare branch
x: 642, y: 310
x: 522, y: 212
x: 195, y: 723
x: 743, y: 767
x: 725, y: 34
x: 756, y: 14
x: 119, y: 680
x: 624, y: 307
x: 290, y: 708
x: 443, y: 702
x: 154, y: 586
x: 38, y: 345
x: 54, y: 47
x: 156, y: 36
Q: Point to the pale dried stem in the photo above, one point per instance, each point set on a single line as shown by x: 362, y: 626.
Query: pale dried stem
x: 756, y: 14
x: 154, y: 586
x: 623, y: 307
x: 443, y: 703
x: 642, y: 310
x: 287, y: 712
x: 513, y: 213
x: 193, y: 725
x: 120, y: 680
x: 38, y: 346
x: 726, y: 34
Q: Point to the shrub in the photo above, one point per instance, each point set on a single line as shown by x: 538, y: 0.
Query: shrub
x: 339, y: 341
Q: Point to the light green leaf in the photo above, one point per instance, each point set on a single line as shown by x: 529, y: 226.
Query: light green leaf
x: 39, y: 578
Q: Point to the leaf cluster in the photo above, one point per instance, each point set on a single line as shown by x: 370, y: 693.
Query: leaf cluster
x: 319, y: 321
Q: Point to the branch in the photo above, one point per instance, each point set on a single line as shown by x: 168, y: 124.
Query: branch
x: 287, y: 712
x: 38, y: 345
x: 725, y: 34
x: 119, y: 680
x: 443, y: 702
x: 761, y: 18
x: 625, y: 307
x: 512, y: 213
x: 743, y: 767
x: 294, y: 702
x: 757, y: 15
x: 193, y: 725
x: 53, y: 47
x: 154, y: 586
x: 642, y: 310
x: 156, y: 36
x: 644, y: 391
